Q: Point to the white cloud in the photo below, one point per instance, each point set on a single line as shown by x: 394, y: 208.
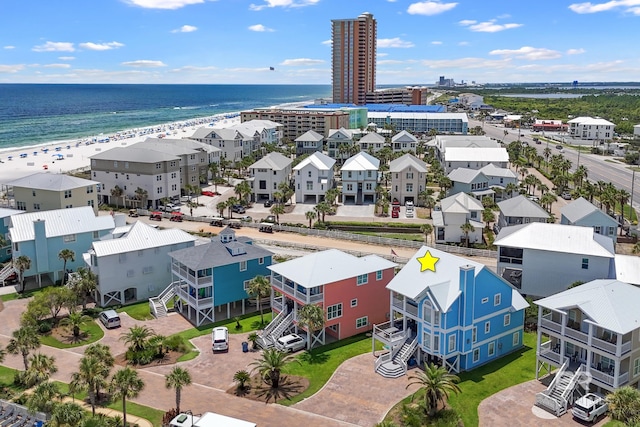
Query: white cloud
x: 189, y: 68
x: 9, y: 47
x: 389, y: 61
x: 163, y: 4
x: 394, y: 42
x: 66, y: 58
x: 100, y: 46
x: 487, y: 26
x: 144, y: 63
x: 630, y: 6
x: 185, y: 29
x: 10, y: 69
x: 429, y: 8
x: 260, y: 28
x: 301, y: 62
x: 467, y: 63
x: 57, y: 66
x: 381, y: 54
x: 247, y: 70
x: 528, y: 53
x: 283, y: 3
x: 463, y: 43
x: 327, y: 42
x: 436, y: 42
x: 575, y: 51
x: 54, y: 47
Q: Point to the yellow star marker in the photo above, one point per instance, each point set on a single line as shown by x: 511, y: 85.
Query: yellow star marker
x: 428, y: 262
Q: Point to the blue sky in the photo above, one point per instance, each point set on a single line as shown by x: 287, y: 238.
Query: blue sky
x: 236, y: 41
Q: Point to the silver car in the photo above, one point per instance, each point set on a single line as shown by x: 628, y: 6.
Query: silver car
x: 291, y: 343
x: 589, y: 407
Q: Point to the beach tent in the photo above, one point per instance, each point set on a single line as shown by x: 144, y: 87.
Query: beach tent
x: 58, y: 156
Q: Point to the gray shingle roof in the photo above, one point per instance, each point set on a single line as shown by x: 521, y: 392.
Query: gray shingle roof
x: 464, y: 175
x: 403, y: 162
x: 272, y: 161
x: 133, y: 154
x: 520, y: 206
x: 216, y: 254
x: 310, y: 135
x: 404, y: 136
x: 320, y: 160
x: 51, y: 181
x: 372, y: 137
x: 581, y: 208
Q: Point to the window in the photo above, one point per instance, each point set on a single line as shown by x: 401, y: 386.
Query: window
x: 115, y: 164
x: 260, y: 261
x: 363, y: 279
x: 474, y: 334
x: 36, y: 206
x: 379, y: 275
x: 409, y: 175
x: 476, y: 355
x: 245, y: 285
x: 354, y: 302
x: 485, y: 300
x: 491, y: 349
x: 636, y: 367
x: 243, y: 265
x: 69, y: 238
x: 147, y: 270
x: 516, y: 338
x: 334, y: 311
x: 496, y: 299
x: 585, y: 263
x: 158, y: 177
x: 362, y: 322
x: 507, y: 319
x: 452, y: 343
x: 487, y: 327
x: 409, y: 187
x: 141, y: 252
x: 122, y: 258
x: 96, y: 234
x: 68, y: 206
x: 90, y: 189
x: 130, y: 273
x: 309, y: 185
x: 426, y: 340
x: 67, y: 194
x: 33, y: 192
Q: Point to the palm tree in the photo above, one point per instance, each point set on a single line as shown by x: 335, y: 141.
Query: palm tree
x: 23, y: 342
x: 66, y: 414
x: 117, y: 192
x: 40, y: 369
x: 242, y: 189
x: 510, y: 188
x: 231, y: 201
x: 311, y: 318
x: 277, y: 210
x: 177, y: 379
x: 141, y: 194
x: 75, y: 320
x: 322, y: 209
x: 241, y: 378
x: 84, y: 283
x: 426, y: 229
x: 623, y: 198
x: 137, y: 337
x: 103, y: 353
x: 22, y: 263
x: 310, y: 215
x: 42, y: 398
x: 466, y: 229
x: 624, y: 405
x: 220, y: 207
x: 488, y: 216
x: 430, y: 203
x: 66, y: 255
x: 270, y: 366
x: 437, y: 384
x: 92, y: 374
x: 125, y: 384
x: 259, y: 287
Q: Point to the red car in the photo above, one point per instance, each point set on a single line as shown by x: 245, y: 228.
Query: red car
x: 208, y: 193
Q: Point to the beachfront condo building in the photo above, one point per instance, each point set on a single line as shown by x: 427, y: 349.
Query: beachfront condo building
x: 295, y: 122
x: 353, y: 58
x: 45, y: 191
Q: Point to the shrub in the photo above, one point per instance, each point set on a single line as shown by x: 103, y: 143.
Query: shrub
x: 176, y: 343
x: 44, y: 327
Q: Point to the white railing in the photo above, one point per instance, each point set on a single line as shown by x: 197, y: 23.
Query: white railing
x: 388, y: 333
x: 623, y: 379
x: 604, y: 345
x: 552, y: 355
x: 548, y: 402
x: 292, y: 290
x: 551, y: 325
x: 576, y: 335
x: 626, y: 347
x: 567, y: 393
x: 544, y: 398
x: 382, y: 359
x: 602, y: 377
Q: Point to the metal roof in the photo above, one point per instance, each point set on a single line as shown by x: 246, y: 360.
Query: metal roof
x: 460, y: 203
x: 51, y: 181
x: 134, y: 154
x: 4, y: 212
x: 272, y: 161
x: 320, y: 160
x: 329, y: 266
x: 405, y: 161
x: 59, y: 222
x: 404, y: 136
x: 556, y: 238
x: 628, y: 269
x: 141, y: 236
x: 493, y: 170
x: 464, y: 175
x: 609, y: 303
x: 581, y: 208
x: 216, y: 254
x: 310, y: 135
x: 476, y: 154
x: 521, y: 206
x: 361, y: 162
x: 371, y: 137
x: 418, y: 116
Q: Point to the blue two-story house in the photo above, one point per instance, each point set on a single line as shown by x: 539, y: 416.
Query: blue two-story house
x: 449, y: 311
x: 41, y: 236
x: 210, y: 281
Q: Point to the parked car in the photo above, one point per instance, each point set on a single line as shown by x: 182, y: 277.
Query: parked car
x: 170, y: 207
x: 291, y: 343
x: 268, y: 203
x: 220, y: 339
x: 246, y: 218
x: 589, y: 407
x: 176, y: 217
x: 238, y: 209
x: 217, y: 221
x: 133, y: 213
x: 559, y: 147
x: 395, y: 213
x: 155, y: 216
x: 270, y: 218
x: 566, y: 196
x: 209, y: 193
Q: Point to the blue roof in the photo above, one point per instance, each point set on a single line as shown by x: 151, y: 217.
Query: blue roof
x: 390, y: 108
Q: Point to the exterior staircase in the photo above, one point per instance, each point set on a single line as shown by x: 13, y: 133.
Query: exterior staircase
x: 559, y: 394
x: 158, y: 305
x: 6, y: 272
x: 393, y: 364
x: 274, y: 330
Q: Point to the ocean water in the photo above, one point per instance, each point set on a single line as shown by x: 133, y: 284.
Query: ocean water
x: 33, y: 114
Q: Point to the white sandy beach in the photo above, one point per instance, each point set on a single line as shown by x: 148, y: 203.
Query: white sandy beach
x: 64, y: 157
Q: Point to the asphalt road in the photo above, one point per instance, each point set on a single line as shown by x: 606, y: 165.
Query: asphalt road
x: 599, y: 168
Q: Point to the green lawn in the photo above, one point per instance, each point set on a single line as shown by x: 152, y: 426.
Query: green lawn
x: 248, y: 322
x: 92, y: 330
x: 400, y: 236
x: 139, y: 311
x: 9, y: 297
x: 320, y: 363
x: 477, y: 385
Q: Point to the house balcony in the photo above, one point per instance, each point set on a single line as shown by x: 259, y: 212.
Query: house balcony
x: 550, y: 355
x: 184, y: 274
x: 409, y: 308
x: 293, y: 290
x: 389, y: 334
x: 608, y: 378
x: 182, y: 292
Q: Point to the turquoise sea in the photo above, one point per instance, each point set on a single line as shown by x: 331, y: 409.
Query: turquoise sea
x: 33, y: 114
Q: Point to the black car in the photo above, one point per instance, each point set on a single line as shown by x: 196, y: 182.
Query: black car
x: 559, y: 147
x: 268, y: 203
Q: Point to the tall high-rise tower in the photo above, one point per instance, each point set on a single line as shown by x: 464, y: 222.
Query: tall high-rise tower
x: 353, y: 58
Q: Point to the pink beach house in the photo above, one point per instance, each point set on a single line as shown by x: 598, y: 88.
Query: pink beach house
x: 350, y: 289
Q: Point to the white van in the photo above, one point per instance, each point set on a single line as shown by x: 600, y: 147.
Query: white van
x: 220, y: 339
x: 110, y: 319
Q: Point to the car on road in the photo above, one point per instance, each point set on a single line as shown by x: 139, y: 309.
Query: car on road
x: 217, y: 221
x: 589, y: 407
x: 238, y: 209
x: 566, y: 196
x: 268, y: 203
x: 291, y: 343
x: 246, y: 218
x: 169, y: 207
x: 269, y: 218
x: 559, y: 147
